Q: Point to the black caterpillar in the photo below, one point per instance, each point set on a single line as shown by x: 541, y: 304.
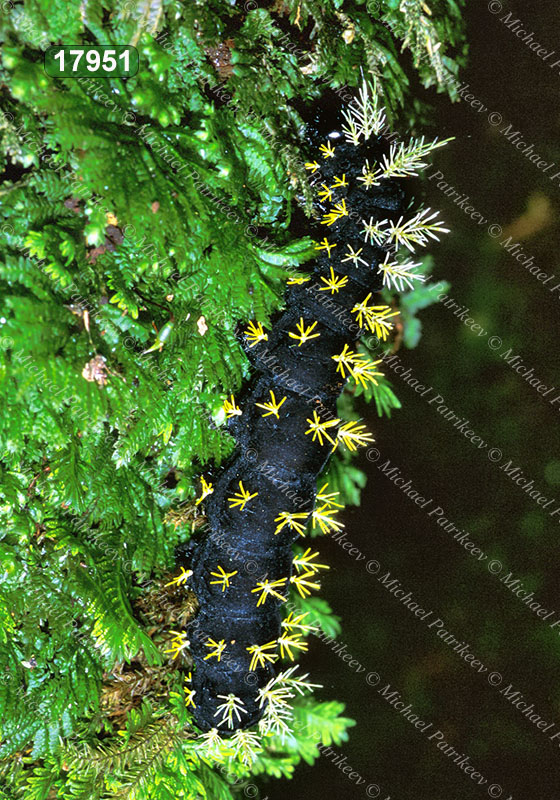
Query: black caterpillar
x: 286, y: 427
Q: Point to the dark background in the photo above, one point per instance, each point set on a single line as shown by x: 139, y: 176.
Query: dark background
x: 478, y: 496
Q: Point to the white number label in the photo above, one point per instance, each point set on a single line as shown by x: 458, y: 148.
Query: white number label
x: 61, y: 57
x: 93, y: 60
x: 78, y: 54
x: 109, y: 63
x: 126, y: 58
x: 106, y: 61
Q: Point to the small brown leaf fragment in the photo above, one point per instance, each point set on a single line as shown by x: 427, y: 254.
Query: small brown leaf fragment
x: 73, y: 204
x: 96, y: 371
x: 95, y: 252
x: 220, y: 56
